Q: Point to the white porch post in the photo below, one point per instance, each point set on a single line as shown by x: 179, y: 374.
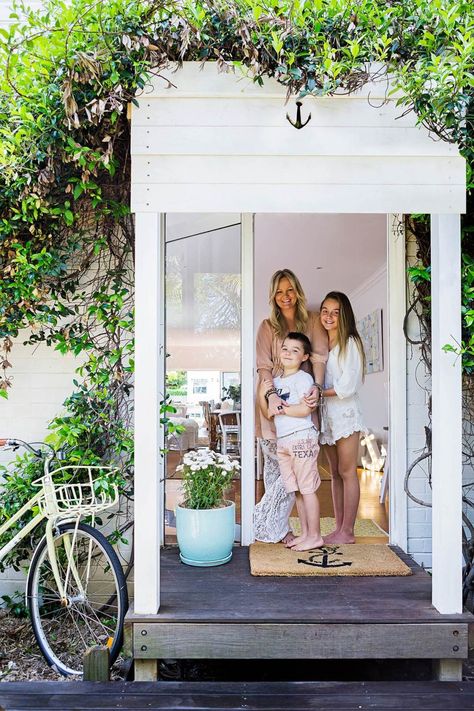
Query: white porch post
x: 446, y: 413
x: 247, y: 482
x: 397, y: 433
x: 149, y: 379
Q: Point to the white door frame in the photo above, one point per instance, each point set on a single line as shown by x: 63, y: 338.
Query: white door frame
x: 446, y: 405
x: 247, y: 491
x: 446, y: 413
x: 397, y: 379
x: 149, y: 386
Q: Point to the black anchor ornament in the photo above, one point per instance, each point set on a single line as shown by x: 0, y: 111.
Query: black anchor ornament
x: 298, y: 123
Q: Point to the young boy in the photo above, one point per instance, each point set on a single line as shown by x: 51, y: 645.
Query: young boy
x: 297, y: 440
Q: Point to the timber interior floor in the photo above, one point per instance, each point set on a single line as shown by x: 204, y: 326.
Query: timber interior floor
x: 369, y: 506
x: 219, y: 696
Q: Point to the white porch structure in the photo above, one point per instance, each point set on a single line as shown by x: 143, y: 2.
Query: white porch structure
x: 210, y: 142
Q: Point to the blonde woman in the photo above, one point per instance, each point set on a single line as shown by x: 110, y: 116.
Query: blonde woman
x: 343, y: 420
x: 288, y: 312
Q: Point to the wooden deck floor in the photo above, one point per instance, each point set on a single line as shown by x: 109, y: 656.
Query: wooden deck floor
x: 218, y: 696
x: 224, y: 612
x: 229, y: 593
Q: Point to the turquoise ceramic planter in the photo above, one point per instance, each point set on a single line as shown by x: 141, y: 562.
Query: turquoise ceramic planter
x: 206, y: 536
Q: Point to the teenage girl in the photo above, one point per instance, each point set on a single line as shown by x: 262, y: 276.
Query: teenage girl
x: 343, y: 422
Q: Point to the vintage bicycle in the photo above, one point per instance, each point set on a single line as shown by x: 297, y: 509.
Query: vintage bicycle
x: 423, y: 461
x: 76, y: 592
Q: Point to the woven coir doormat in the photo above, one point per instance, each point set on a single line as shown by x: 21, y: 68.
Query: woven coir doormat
x: 355, y: 559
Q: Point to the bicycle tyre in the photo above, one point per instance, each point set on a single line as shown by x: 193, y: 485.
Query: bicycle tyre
x: 92, y: 616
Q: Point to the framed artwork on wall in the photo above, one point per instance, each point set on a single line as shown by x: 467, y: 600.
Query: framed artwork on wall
x: 370, y: 329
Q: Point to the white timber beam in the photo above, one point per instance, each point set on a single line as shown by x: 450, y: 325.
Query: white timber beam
x: 247, y: 378
x: 149, y: 383
x: 446, y: 413
x: 397, y: 434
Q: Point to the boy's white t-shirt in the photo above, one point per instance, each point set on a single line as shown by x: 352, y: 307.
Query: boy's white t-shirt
x: 291, y: 389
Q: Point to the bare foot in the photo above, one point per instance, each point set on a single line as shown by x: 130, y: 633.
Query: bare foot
x: 289, y: 538
x: 295, y: 541
x: 308, y: 543
x: 340, y: 537
x: 331, y: 537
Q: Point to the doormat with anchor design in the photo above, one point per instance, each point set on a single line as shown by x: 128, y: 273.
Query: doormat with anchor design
x: 355, y: 559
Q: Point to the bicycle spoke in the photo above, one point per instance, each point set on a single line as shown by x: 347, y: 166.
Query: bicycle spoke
x: 95, y: 633
x: 74, y: 621
x: 65, y: 631
x: 96, y: 620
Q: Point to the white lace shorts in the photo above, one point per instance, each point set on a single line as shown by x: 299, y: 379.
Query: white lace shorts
x: 341, y: 419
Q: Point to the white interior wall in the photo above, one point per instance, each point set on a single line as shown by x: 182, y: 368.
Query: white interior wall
x: 371, y: 295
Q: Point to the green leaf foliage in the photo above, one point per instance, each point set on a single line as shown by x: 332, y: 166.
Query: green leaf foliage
x: 67, y: 74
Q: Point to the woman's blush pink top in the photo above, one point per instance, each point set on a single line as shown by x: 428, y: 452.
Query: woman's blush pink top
x: 268, y: 362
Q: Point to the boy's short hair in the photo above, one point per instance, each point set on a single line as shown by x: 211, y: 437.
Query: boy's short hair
x: 302, y: 338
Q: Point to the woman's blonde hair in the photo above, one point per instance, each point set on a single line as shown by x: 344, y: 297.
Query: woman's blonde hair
x: 301, y: 315
x: 346, y: 325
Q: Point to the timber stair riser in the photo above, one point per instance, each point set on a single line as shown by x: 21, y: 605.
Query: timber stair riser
x: 233, y: 696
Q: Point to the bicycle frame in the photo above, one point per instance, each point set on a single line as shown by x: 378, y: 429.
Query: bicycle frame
x: 45, y: 493
x: 26, y: 530
x: 69, y: 547
x: 74, y: 575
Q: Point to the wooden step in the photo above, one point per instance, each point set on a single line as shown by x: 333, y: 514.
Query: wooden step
x: 235, y: 696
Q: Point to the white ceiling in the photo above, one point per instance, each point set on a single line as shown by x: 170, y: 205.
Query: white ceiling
x: 326, y: 252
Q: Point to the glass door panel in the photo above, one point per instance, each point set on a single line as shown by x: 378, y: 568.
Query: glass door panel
x: 203, y: 307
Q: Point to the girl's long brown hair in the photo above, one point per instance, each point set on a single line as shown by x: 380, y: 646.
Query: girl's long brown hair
x: 346, y: 325
x: 301, y: 316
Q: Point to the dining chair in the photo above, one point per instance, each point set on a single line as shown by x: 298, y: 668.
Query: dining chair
x: 229, y: 426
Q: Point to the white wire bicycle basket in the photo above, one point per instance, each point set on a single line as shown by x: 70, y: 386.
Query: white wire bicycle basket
x: 83, y: 498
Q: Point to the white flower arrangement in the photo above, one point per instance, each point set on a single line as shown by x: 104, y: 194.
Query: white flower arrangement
x: 206, y: 476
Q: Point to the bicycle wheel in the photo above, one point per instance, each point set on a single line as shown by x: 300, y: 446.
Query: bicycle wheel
x: 96, y: 598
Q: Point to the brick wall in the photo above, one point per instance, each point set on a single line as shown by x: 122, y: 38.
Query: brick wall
x: 418, y: 387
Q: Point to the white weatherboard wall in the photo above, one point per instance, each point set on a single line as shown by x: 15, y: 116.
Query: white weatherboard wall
x: 371, y: 295
x: 6, y: 10
x: 42, y: 379
x: 217, y: 142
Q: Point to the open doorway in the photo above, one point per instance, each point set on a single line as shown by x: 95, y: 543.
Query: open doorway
x: 205, y: 325
x: 345, y: 253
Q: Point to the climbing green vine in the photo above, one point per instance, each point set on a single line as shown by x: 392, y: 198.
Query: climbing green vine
x: 67, y: 74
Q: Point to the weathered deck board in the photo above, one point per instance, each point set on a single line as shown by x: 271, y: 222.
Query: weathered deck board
x: 226, y: 613
x: 255, y: 696
x: 298, y: 641
x: 229, y: 594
